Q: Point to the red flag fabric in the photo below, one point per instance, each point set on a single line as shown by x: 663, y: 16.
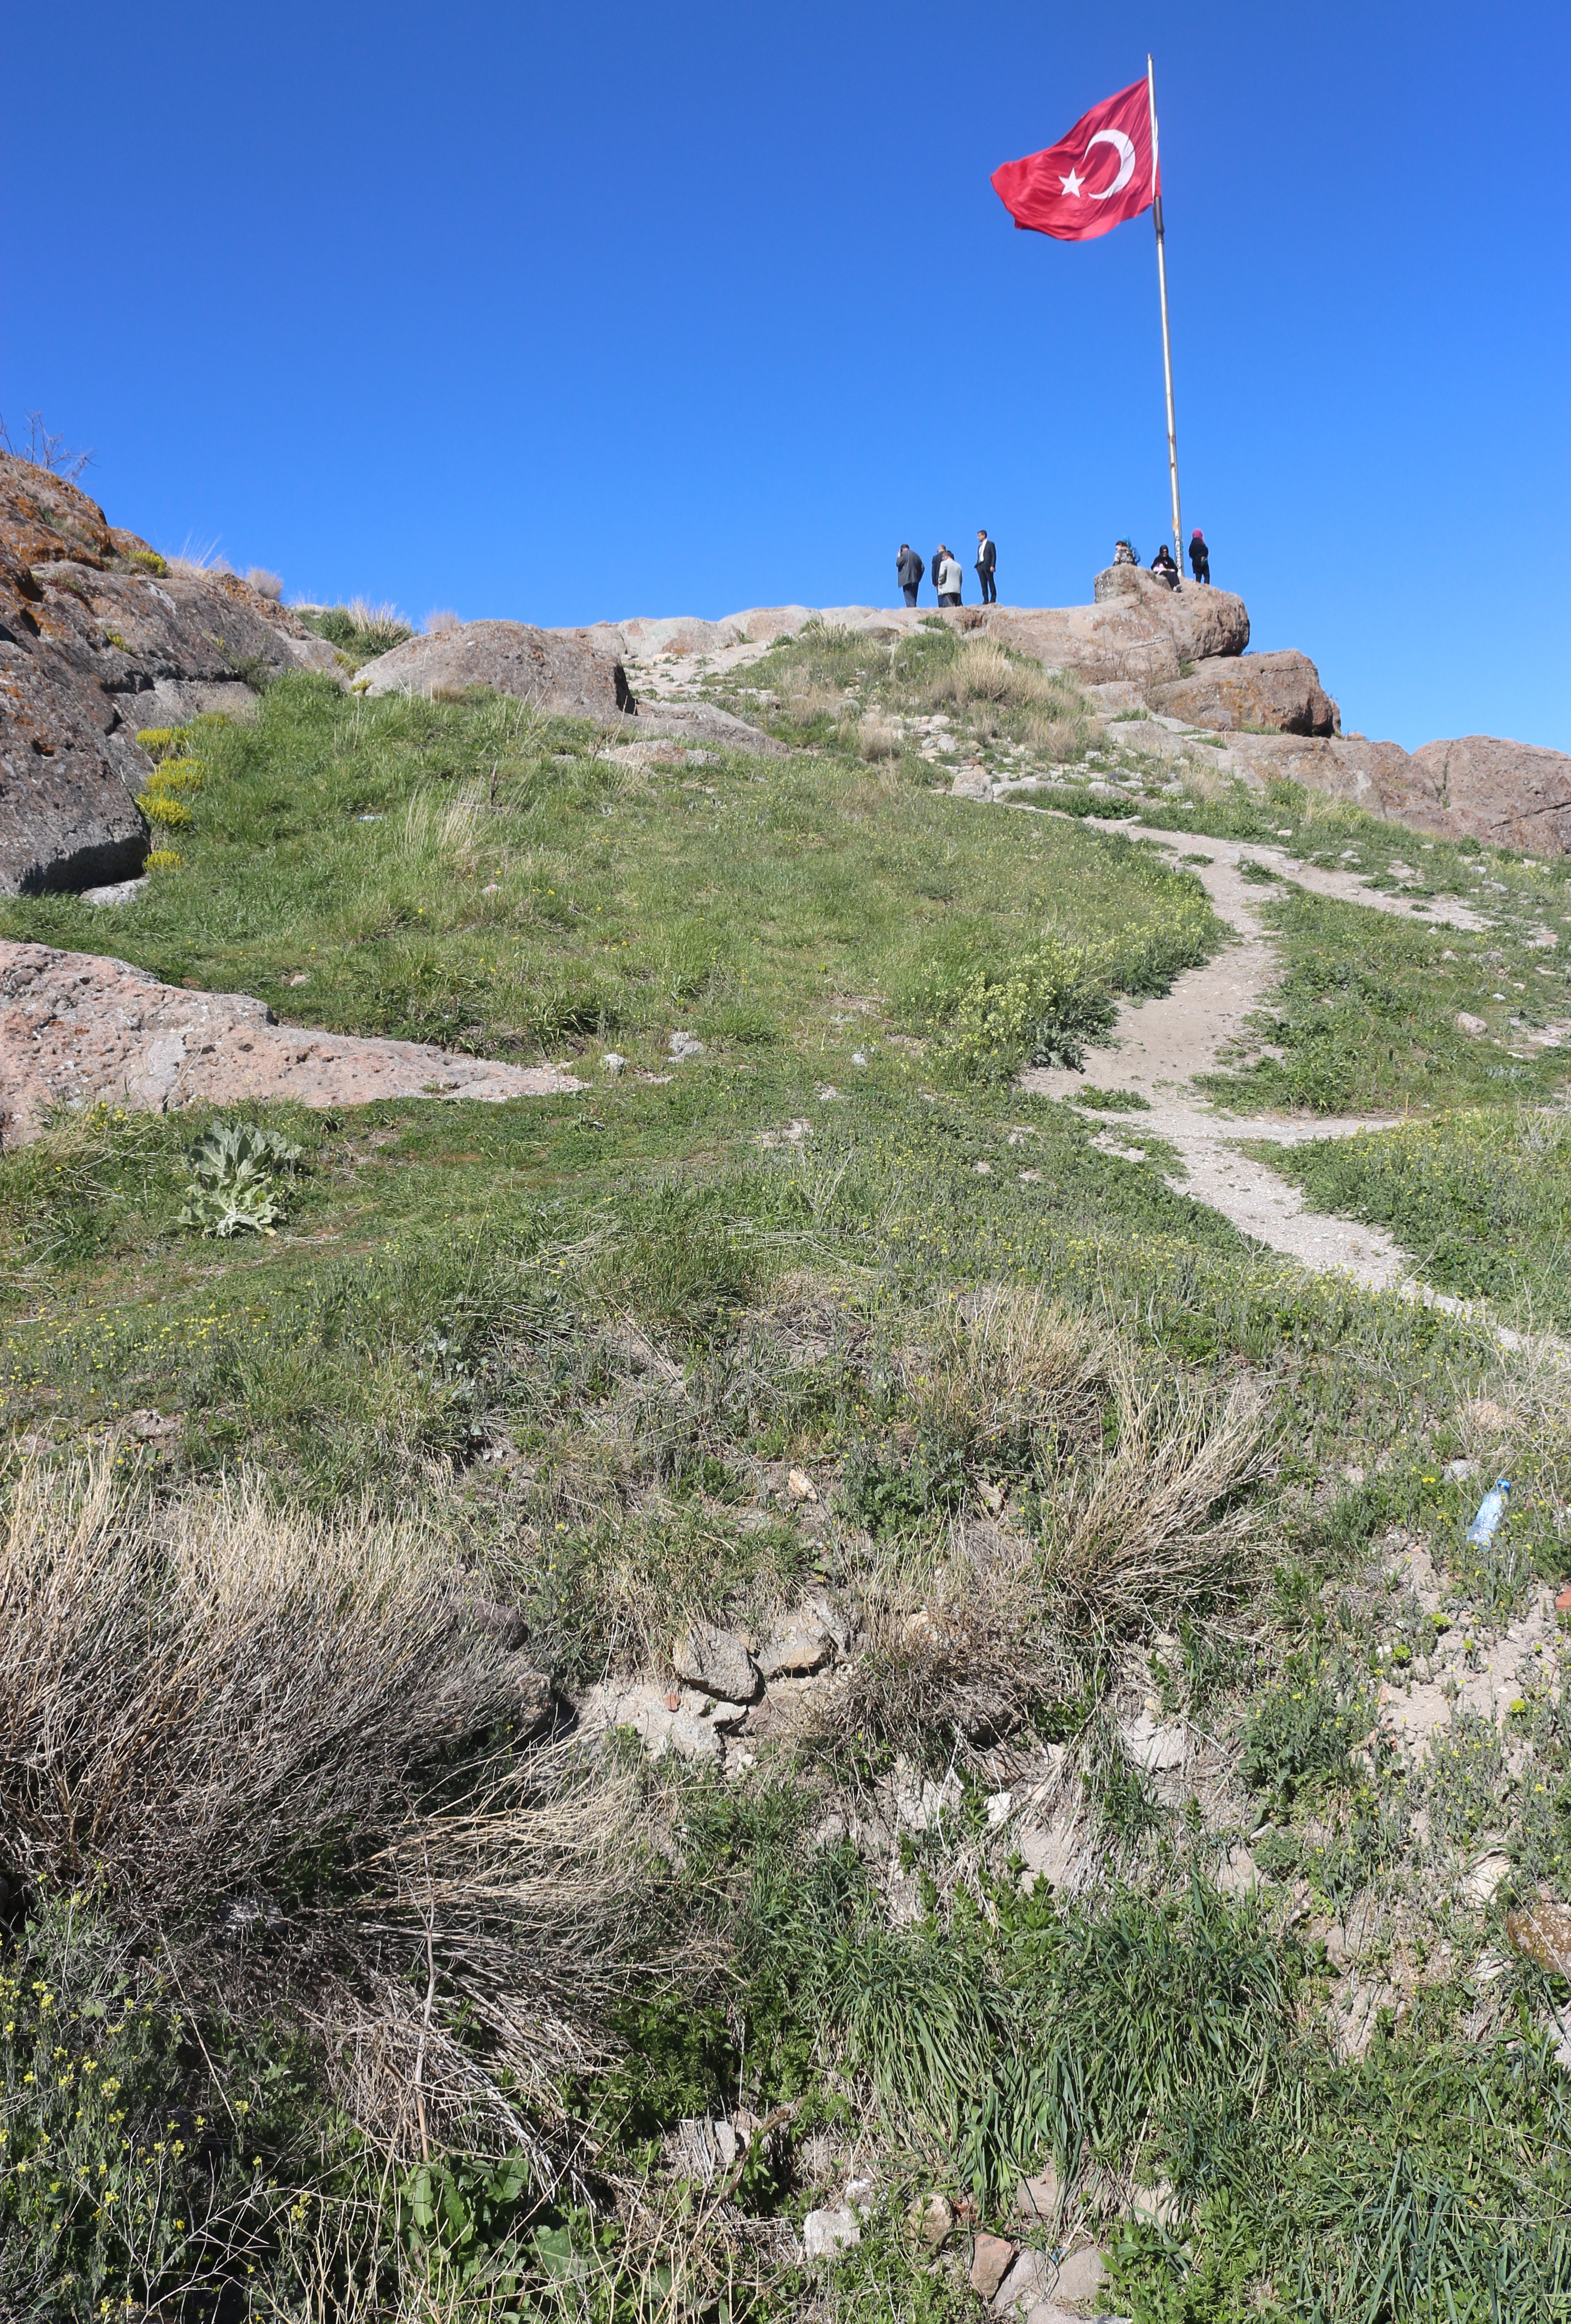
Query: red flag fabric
x: 1104, y: 171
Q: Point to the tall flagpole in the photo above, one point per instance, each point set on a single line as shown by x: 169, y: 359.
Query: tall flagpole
x: 1178, y: 545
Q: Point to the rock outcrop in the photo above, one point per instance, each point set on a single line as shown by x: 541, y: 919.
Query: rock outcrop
x: 99, y: 639
x: 1275, y: 693
x: 1136, y: 627
x: 1515, y: 794
x: 554, y: 669
x: 572, y: 673
x: 75, y: 1027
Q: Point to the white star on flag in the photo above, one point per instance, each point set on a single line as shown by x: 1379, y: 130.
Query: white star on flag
x: 1071, y: 184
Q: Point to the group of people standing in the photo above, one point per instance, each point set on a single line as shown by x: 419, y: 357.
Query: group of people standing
x: 909, y: 569
x: 1164, y: 565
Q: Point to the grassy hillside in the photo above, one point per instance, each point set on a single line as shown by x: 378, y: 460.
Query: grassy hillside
x: 342, y: 1977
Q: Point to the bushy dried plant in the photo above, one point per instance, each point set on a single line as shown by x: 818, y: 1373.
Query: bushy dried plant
x: 195, y: 557
x: 228, y: 1719
x: 191, y: 1699
x: 982, y: 671
x: 265, y: 583
x: 1167, y: 1522
x: 879, y: 738
x: 1005, y: 1362
x: 958, y: 1655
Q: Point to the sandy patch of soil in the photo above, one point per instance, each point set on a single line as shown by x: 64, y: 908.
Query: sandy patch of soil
x: 80, y: 1028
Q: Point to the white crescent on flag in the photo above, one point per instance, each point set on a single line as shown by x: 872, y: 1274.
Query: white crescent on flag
x: 1125, y: 151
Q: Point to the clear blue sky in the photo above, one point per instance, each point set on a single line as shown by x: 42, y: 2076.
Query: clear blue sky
x: 562, y: 313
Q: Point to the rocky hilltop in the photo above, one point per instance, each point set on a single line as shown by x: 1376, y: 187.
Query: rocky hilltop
x: 101, y: 637
x: 1183, y: 657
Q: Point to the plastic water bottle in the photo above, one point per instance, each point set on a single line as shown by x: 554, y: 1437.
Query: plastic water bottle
x: 1491, y: 1509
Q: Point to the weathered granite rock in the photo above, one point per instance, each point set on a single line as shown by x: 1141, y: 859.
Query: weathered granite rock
x: 827, y: 2233
x: 1542, y: 1931
x: 703, y: 723
x: 1137, y: 630
x: 1514, y: 794
x: 1280, y: 691
x: 991, y: 2260
x: 554, y: 669
x: 94, y: 646
x: 77, y: 1027
x: 1510, y: 794
x: 798, y: 1645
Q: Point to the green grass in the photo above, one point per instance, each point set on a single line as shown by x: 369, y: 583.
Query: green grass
x: 585, y: 1337
x: 1480, y: 1199
x: 513, y: 891
x: 1365, y: 1017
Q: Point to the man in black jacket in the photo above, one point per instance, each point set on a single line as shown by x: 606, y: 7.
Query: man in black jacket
x: 909, y: 569
x: 986, y: 564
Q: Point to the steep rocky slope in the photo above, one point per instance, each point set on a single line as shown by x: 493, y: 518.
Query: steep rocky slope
x: 99, y: 638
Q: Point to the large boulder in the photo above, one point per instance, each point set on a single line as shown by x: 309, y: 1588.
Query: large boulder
x: 554, y: 669
x: 97, y: 643
x: 1137, y: 630
x: 1280, y: 692
x: 76, y: 1029
x: 1510, y: 794
x: 1514, y: 794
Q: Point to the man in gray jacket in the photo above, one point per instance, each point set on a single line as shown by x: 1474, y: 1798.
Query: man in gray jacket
x: 909, y: 569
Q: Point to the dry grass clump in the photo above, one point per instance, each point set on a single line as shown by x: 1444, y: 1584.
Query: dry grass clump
x: 1003, y: 1364
x: 381, y: 626
x: 189, y: 1700
x: 1061, y: 737
x: 1167, y: 1520
x: 879, y: 738
x: 265, y: 583
x: 983, y: 672
x: 445, y: 830
x: 441, y: 620
x: 226, y: 1720
x: 962, y: 1655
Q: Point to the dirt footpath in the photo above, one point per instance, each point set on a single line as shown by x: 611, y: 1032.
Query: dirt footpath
x: 76, y: 1028
x: 1162, y: 1045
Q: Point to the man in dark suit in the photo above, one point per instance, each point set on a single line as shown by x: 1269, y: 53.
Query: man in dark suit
x: 909, y: 569
x: 987, y: 564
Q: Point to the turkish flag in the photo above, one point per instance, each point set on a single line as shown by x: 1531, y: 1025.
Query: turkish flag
x: 1104, y: 171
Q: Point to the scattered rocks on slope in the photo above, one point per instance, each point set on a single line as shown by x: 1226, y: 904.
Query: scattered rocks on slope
x: 828, y: 2232
x: 78, y: 1028
x: 1282, y: 691
x: 553, y: 669
x: 718, y: 1662
x: 97, y: 640
x: 992, y: 2258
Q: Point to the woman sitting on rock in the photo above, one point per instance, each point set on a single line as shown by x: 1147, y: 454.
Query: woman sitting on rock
x: 1123, y: 554
x: 1163, y: 566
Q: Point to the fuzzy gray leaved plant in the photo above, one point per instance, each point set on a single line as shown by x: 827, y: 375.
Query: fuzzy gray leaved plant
x: 235, y: 1188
